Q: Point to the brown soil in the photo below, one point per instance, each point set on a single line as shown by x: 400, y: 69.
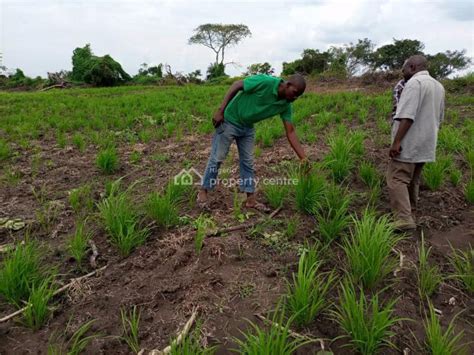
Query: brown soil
x: 234, y: 277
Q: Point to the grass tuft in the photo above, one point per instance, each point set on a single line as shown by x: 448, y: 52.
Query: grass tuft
x: 130, y: 328
x: 77, y: 244
x: 366, y: 322
x: 107, y: 160
x: 368, y: 249
x: 429, y: 276
x: 463, y: 263
x: 121, y: 221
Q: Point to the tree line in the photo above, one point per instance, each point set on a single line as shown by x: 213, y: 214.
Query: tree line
x: 344, y: 61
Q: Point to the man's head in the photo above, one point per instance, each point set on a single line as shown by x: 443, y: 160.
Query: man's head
x: 293, y: 87
x: 413, y: 65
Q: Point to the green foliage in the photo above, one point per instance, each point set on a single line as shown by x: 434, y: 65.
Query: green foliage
x: 275, y: 194
x: 434, y: 173
x: 4, y: 150
x: 368, y: 249
x: 339, y: 159
x: 98, y: 71
x: 455, y: 175
x: 469, y: 192
x: 366, y: 322
x: 81, y: 198
x: 121, y: 221
x: 107, y: 160
x: 307, y: 294
x: 308, y: 191
x: 162, y: 209
x: 428, y: 275
x: 79, y: 142
x: 463, y: 263
x: 444, y: 64
x: 216, y: 71
x: 77, y: 244
x: 260, y: 68
x: 130, y: 328
x: 312, y: 62
x: 20, y: 272
x: 332, y: 212
x: 78, y: 341
x: 272, y: 340
x: 202, y: 224
x: 369, y: 175
x: 37, y: 312
x: 439, y: 342
x: 392, y: 56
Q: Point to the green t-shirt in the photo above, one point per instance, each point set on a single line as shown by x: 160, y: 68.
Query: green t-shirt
x: 258, y: 101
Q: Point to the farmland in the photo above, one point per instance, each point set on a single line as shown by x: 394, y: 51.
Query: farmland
x: 83, y: 167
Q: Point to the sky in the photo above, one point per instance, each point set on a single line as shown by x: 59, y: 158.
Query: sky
x: 39, y: 36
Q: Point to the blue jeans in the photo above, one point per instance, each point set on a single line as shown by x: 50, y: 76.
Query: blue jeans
x: 221, y: 141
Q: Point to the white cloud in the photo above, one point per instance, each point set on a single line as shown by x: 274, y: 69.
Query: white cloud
x: 40, y: 36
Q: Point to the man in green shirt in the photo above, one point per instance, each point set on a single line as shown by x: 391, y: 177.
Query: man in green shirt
x: 247, y: 102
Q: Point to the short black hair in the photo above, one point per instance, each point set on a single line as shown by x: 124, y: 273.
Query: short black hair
x: 298, y: 81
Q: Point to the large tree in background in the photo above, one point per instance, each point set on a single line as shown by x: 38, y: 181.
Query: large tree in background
x: 443, y: 64
x: 312, y: 62
x: 392, y: 56
x: 352, y: 57
x: 218, y: 37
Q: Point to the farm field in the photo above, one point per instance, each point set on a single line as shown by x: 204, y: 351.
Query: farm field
x: 85, y: 169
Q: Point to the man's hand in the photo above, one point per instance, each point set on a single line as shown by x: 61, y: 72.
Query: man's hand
x: 395, y: 150
x: 218, y: 118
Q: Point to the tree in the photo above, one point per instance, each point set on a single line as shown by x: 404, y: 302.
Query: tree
x: 392, y: 56
x: 444, y: 64
x: 312, y: 62
x: 215, y: 71
x: 156, y: 70
x: 352, y: 57
x: 218, y: 37
x: 99, y: 71
x: 260, y: 68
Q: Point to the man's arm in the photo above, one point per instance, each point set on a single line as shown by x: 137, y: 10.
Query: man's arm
x: 233, y: 90
x: 293, y: 139
x: 395, y: 149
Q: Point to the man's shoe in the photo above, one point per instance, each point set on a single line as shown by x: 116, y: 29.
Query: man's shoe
x: 404, y: 226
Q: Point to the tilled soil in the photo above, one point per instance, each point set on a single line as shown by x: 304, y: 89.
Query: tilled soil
x: 236, y: 275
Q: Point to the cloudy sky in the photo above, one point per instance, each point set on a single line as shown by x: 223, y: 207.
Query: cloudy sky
x: 39, y: 36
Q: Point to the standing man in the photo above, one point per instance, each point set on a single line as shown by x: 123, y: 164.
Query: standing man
x: 414, y: 136
x: 247, y: 102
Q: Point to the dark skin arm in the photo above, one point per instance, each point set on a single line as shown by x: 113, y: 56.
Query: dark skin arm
x: 233, y: 90
x: 293, y: 139
x: 395, y: 149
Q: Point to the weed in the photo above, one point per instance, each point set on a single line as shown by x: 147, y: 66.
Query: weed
x: 107, y: 160
x: 78, y: 342
x: 307, y: 293
x: 81, y: 198
x: 463, y: 262
x: 277, y: 339
x: 275, y: 194
x: 37, y: 312
x: 455, y: 175
x: 437, y: 341
x: 20, y: 272
x: 368, y: 249
x: 428, y: 276
x: 292, y: 226
x: 121, y: 221
x: 369, y: 175
x: 130, y: 328
x: 308, y: 191
x: 469, y: 192
x: 434, y: 173
x: 332, y: 212
x: 190, y: 345
x: 162, y: 209
x: 202, y: 224
x: 339, y: 160
x: 366, y: 322
x: 77, y: 244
